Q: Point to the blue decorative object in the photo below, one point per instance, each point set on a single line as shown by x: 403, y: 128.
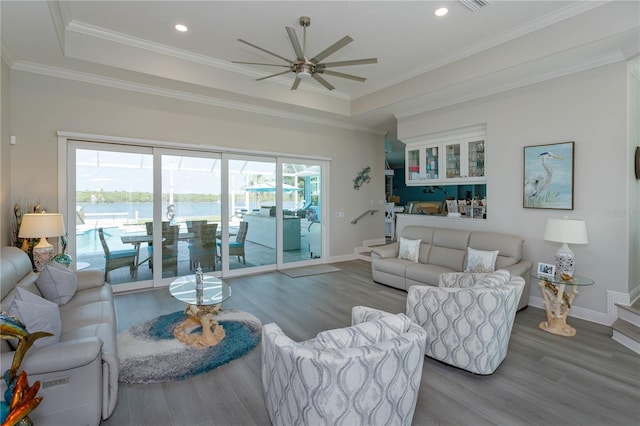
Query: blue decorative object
x: 63, y: 259
x: 362, y: 178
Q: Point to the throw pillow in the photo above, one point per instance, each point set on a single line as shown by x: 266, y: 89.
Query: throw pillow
x: 57, y: 283
x: 363, y: 334
x: 409, y: 249
x: 481, y: 260
x: 37, y: 314
x: 498, y: 278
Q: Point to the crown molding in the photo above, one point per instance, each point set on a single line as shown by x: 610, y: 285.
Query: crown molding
x: 60, y: 15
x: 594, y: 62
x: 139, y: 43
x: 179, y: 95
x: 559, y: 15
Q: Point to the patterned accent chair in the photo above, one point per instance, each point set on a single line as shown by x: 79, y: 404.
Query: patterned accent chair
x: 468, y: 317
x: 366, y: 374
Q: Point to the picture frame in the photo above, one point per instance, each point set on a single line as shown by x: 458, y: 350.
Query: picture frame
x: 546, y: 270
x: 548, y: 176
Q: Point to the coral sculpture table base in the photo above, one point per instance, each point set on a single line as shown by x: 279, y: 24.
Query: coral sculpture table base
x: 212, y: 332
x: 557, y: 302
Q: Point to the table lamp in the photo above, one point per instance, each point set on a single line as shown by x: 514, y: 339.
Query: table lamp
x: 566, y: 231
x: 41, y: 225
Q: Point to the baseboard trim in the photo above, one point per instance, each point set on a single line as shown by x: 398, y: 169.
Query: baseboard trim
x: 626, y: 341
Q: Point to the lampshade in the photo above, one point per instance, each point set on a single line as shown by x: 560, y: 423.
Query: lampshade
x: 38, y: 225
x: 41, y: 225
x: 570, y: 231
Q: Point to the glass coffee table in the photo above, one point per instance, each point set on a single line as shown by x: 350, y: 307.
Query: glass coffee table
x: 202, y: 307
x: 557, y: 302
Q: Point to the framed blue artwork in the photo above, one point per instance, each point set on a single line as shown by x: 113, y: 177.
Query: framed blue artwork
x: 548, y: 176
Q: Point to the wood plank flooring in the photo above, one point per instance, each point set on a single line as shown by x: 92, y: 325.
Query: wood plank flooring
x: 584, y: 380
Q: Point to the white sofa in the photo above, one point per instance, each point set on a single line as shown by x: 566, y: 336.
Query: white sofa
x: 79, y: 374
x: 444, y: 250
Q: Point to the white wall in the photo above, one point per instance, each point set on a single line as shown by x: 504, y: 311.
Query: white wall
x: 589, y: 108
x: 41, y: 106
x: 6, y: 208
x: 633, y: 211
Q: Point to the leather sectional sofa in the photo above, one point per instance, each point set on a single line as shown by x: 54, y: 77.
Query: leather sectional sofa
x: 79, y: 374
x: 445, y: 250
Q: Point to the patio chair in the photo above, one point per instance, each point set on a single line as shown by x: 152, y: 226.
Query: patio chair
x: 169, y: 248
x: 118, y: 258
x: 236, y: 248
x: 203, y: 249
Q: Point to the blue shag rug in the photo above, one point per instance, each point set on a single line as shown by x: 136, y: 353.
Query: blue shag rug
x: 149, y: 353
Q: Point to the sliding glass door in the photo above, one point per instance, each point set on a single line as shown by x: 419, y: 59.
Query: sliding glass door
x: 113, y: 198
x: 145, y: 215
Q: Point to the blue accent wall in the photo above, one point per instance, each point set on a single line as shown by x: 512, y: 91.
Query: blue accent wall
x: 417, y: 193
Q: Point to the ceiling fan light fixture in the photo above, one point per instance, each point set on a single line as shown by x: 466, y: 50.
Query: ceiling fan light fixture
x: 304, y: 71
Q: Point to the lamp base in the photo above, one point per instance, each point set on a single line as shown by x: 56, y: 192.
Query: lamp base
x: 565, y: 261
x: 42, y: 256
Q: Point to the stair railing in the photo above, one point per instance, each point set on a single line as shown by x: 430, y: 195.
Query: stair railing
x: 371, y: 212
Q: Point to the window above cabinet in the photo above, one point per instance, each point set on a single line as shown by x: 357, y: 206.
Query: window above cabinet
x: 451, y: 157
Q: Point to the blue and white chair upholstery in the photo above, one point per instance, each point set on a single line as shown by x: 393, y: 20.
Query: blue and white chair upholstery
x: 468, y: 317
x: 366, y: 374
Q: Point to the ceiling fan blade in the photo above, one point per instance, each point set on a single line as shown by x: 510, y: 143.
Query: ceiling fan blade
x: 295, y: 84
x: 322, y: 81
x: 273, y: 75
x: 265, y: 51
x: 347, y: 63
x: 332, y: 49
x: 295, y: 43
x: 342, y: 75
x: 257, y: 63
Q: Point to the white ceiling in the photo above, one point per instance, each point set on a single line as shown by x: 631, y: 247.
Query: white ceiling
x: 424, y: 62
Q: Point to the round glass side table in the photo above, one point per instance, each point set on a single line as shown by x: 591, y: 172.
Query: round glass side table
x: 558, y: 302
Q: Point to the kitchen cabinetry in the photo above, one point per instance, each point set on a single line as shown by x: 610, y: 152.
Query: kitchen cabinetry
x: 453, y: 157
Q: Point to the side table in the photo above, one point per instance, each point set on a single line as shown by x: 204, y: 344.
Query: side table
x: 558, y: 303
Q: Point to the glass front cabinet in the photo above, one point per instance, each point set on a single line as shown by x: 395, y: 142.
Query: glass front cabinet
x: 452, y: 157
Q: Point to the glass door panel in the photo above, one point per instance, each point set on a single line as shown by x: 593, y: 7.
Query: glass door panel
x: 252, y: 213
x: 191, y: 214
x: 113, y: 193
x: 453, y: 160
x: 301, y: 201
x: 476, y: 159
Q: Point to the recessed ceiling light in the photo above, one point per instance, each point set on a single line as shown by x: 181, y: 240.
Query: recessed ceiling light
x: 181, y: 28
x: 442, y: 11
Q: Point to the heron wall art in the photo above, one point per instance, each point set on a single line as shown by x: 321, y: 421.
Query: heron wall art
x: 548, y: 176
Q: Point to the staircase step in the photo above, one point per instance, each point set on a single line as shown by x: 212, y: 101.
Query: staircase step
x: 627, y: 334
x: 630, y: 314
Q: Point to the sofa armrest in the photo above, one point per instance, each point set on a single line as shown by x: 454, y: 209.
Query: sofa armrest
x: 521, y: 269
x: 59, y: 357
x: 388, y: 250
x: 89, y: 279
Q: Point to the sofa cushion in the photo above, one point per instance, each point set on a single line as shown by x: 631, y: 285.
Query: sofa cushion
x: 37, y: 314
x: 510, y: 246
x: 57, y: 283
x: 425, y: 273
x: 409, y: 249
x: 89, y: 314
x: 363, y: 334
x: 414, y: 232
x: 481, y: 260
x: 452, y: 259
x: 395, y: 266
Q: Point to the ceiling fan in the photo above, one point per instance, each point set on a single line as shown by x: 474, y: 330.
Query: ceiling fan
x: 304, y: 67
